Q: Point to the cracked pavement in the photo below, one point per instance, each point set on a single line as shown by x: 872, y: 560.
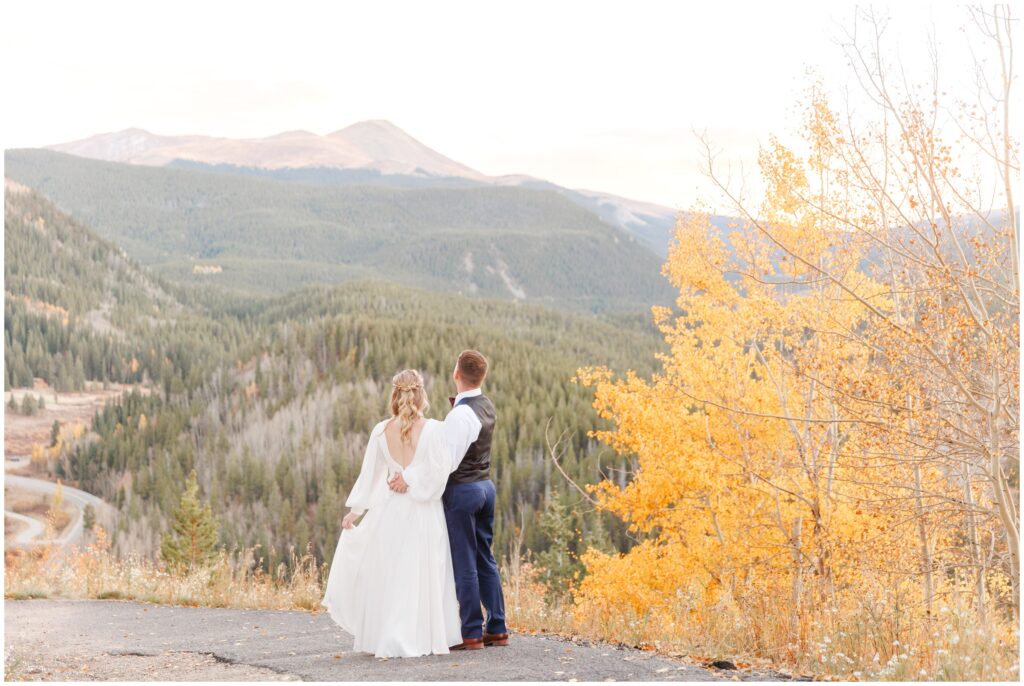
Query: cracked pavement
x: 131, y: 641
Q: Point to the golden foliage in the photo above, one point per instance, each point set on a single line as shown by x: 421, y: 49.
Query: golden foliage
x: 824, y: 453
x: 38, y: 457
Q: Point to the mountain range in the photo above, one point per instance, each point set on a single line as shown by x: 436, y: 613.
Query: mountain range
x: 374, y: 152
x: 376, y: 144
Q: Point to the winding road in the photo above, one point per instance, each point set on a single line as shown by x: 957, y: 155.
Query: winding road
x: 28, y: 535
x: 72, y: 534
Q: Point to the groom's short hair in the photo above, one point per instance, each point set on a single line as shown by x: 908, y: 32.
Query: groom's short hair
x: 472, y: 367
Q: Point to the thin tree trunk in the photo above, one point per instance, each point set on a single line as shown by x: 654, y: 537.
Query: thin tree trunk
x: 972, y: 533
x: 922, y: 524
x: 926, y: 551
x: 1003, y: 508
x: 798, y: 580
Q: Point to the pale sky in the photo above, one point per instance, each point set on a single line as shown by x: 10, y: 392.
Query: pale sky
x: 595, y: 95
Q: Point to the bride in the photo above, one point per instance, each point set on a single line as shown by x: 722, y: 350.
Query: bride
x: 391, y: 583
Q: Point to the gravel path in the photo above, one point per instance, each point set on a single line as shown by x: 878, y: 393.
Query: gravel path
x: 130, y: 641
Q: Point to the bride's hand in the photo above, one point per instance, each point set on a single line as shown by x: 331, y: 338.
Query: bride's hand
x: 349, y: 521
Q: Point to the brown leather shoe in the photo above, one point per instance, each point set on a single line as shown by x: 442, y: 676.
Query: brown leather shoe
x: 495, y: 639
x: 470, y: 644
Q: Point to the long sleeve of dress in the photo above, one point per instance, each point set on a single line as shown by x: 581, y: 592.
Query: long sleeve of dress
x: 371, y: 475
x: 427, y: 476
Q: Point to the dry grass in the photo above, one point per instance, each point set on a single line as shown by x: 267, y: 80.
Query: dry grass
x: 26, y: 503
x: 12, y: 526
x: 874, y: 642
x: 39, y: 506
x: 22, y: 432
x: 59, y: 518
x: 527, y: 606
x: 94, y: 572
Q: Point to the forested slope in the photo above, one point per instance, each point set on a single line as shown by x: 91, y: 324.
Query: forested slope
x: 77, y: 308
x: 271, y: 399
x: 269, y: 236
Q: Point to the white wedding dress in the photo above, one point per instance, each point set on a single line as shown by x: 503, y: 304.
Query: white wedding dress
x: 391, y: 583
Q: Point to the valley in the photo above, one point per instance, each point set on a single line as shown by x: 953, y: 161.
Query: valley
x: 29, y: 446
x: 269, y: 397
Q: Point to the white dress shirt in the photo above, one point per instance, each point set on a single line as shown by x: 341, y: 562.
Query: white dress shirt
x: 461, y: 428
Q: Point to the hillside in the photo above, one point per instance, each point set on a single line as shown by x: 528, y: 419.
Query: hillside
x: 269, y: 236
x: 270, y: 399
x: 277, y: 434
x: 41, y: 243
x: 76, y: 308
x: 652, y: 225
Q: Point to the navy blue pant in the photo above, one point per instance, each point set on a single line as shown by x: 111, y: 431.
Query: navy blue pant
x: 469, y: 509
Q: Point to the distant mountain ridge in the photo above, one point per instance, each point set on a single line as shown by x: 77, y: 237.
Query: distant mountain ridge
x: 373, y: 152
x: 374, y: 144
x: 264, y: 235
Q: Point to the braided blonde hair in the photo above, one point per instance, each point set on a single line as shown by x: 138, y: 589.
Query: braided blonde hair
x: 408, y: 401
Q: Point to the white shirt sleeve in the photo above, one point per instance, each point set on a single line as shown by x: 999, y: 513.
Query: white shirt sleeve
x: 461, y: 428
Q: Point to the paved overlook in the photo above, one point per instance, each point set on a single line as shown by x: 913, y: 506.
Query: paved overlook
x: 122, y: 641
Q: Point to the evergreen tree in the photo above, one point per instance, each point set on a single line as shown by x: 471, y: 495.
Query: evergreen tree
x: 192, y: 539
x: 598, y: 537
x: 558, y: 562
x: 88, y: 517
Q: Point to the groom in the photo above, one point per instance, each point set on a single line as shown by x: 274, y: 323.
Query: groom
x: 469, y: 506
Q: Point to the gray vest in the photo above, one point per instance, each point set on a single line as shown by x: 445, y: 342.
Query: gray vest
x: 476, y: 465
